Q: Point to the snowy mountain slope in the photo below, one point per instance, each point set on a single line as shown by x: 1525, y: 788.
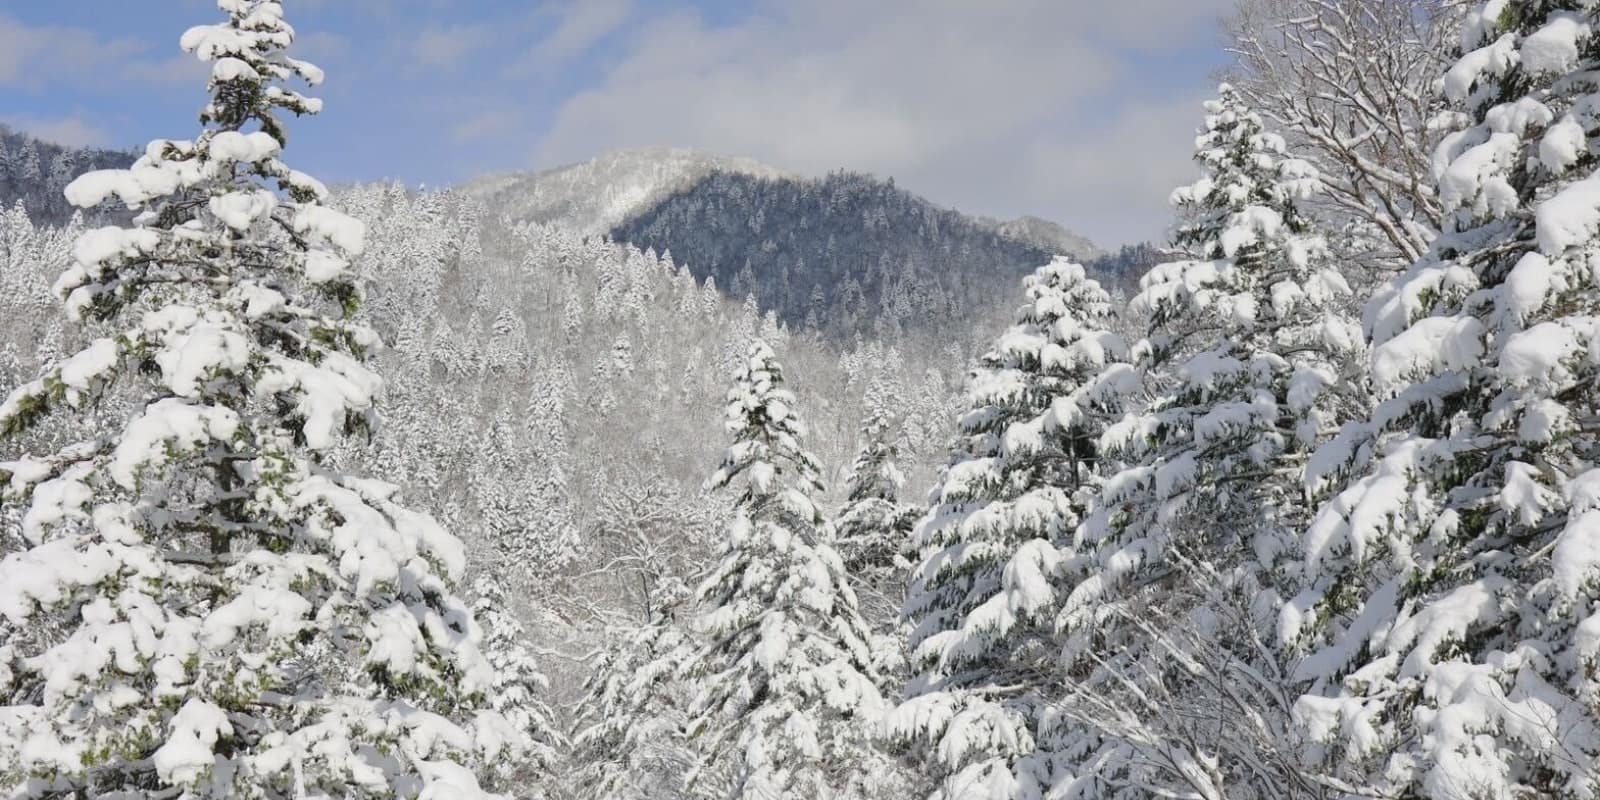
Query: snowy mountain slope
x: 844, y: 255
x: 1048, y: 235
x: 34, y: 172
x: 597, y: 195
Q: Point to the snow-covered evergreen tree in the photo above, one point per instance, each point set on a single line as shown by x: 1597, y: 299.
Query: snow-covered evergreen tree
x: 984, y: 597
x: 873, y: 529
x: 518, y: 692
x: 204, y: 608
x: 1250, y: 363
x: 1450, y: 618
x: 631, y: 742
x: 786, y: 697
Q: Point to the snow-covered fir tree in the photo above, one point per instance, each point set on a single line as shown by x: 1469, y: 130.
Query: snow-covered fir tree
x: 786, y: 695
x: 205, y: 608
x: 873, y: 529
x: 631, y: 741
x: 1449, y: 622
x: 518, y: 691
x: 1250, y: 363
x: 993, y: 545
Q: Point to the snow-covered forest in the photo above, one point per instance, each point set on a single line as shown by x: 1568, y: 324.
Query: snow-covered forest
x: 677, y: 476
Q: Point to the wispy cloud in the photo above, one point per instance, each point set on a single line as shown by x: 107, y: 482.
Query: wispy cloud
x: 72, y: 131
x: 973, y: 104
x: 580, y: 25
x: 446, y: 47
x: 39, y: 57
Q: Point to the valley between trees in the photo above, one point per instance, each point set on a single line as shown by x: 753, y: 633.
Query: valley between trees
x: 675, y: 476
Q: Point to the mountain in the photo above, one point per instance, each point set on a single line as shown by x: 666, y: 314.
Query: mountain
x: 35, y: 172
x: 845, y: 254
x: 1047, y: 235
x: 597, y: 195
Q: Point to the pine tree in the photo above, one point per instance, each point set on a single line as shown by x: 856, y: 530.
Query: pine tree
x: 786, y: 691
x: 1449, y: 615
x: 29, y: 169
x: 518, y: 689
x: 631, y: 742
x: 873, y: 529
x: 992, y: 561
x: 1250, y: 362
x: 205, y: 608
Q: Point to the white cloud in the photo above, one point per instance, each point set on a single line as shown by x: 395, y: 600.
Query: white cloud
x: 972, y: 103
x: 485, y: 125
x: 582, y: 24
x: 445, y: 47
x: 73, y: 131
x: 35, y: 57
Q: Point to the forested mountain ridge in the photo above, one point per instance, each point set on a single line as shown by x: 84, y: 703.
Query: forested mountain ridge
x: 845, y: 254
x: 594, y: 196
x: 1046, y: 235
x: 36, y: 171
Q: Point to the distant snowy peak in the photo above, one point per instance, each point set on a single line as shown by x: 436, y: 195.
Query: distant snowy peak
x: 596, y: 196
x: 1047, y: 235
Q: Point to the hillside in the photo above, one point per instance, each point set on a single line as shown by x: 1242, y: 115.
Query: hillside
x: 1047, y: 235
x: 35, y: 171
x: 595, y: 196
x: 845, y: 254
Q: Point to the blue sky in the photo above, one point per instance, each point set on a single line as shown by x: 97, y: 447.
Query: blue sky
x: 1081, y: 111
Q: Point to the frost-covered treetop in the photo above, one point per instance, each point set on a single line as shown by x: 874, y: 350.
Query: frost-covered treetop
x: 766, y: 455
x: 1255, y: 260
x: 874, y: 475
x: 1250, y: 185
x: 994, y: 543
x: 787, y: 671
x: 202, y: 608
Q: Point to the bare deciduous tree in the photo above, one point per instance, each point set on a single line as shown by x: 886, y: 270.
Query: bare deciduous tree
x: 1351, y: 84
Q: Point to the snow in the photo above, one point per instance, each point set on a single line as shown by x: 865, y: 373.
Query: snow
x: 249, y: 148
x: 1495, y: 59
x: 83, y: 370
x: 323, y: 266
x: 187, y: 753
x: 198, y: 353
x: 1249, y: 227
x: 1563, y: 144
x: 1394, y: 307
x: 257, y: 301
x: 55, y: 500
x: 232, y: 69
x: 333, y: 227
x: 1448, y: 618
x: 98, y: 247
x: 1425, y: 349
x: 240, y: 210
x: 1575, y: 560
x: 1525, y: 497
x: 166, y: 428
x: 1570, y: 218
x: 1481, y: 23
x: 1526, y: 287
x: 596, y: 196
x: 1538, y: 354
x: 1478, y: 176
x: 1554, y: 47
x: 325, y: 393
